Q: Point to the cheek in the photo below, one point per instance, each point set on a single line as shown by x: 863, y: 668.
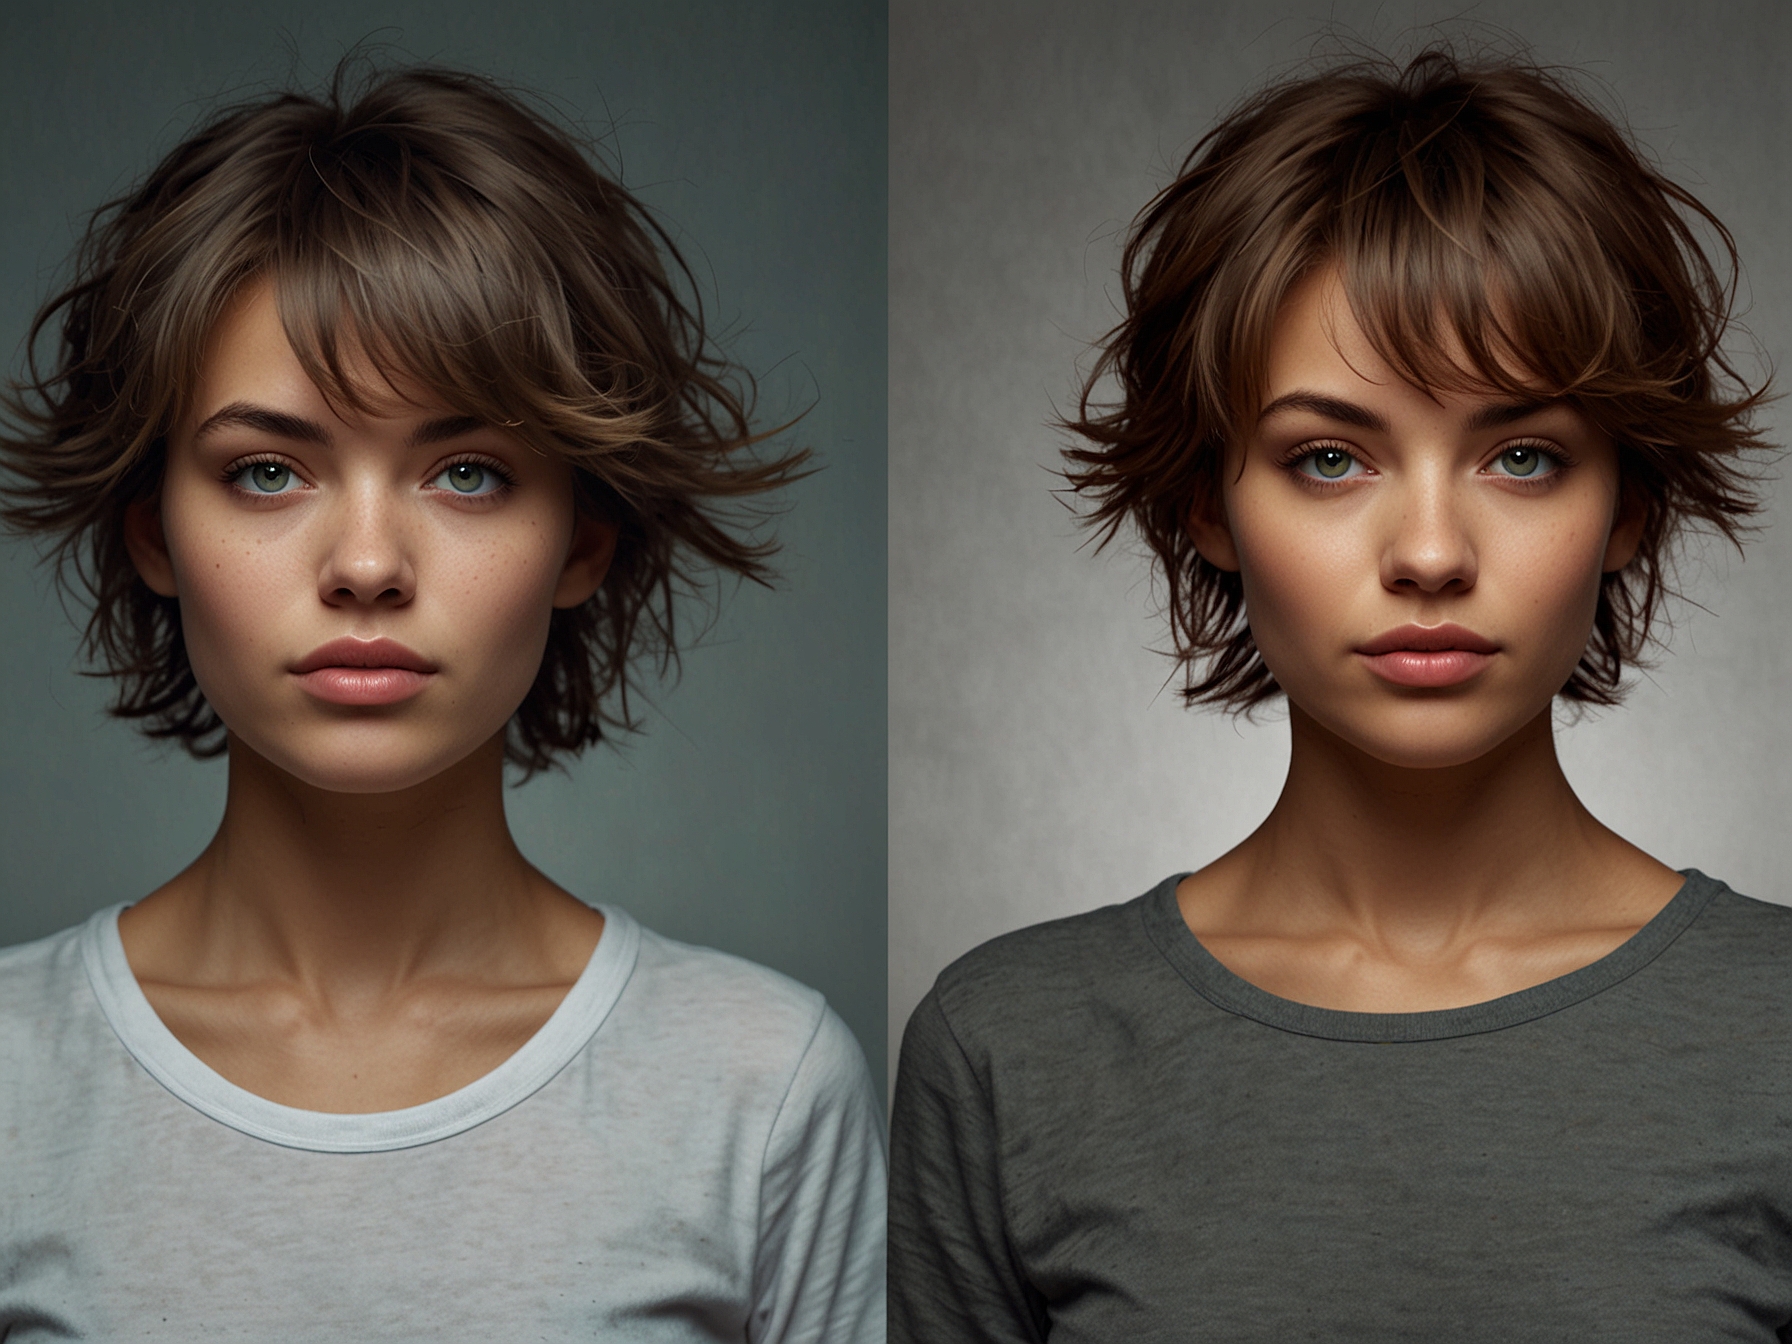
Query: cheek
x: 1297, y: 577
x: 239, y: 596
x: 1551, y: 574
x: 496, y: 592
x: 250, y: 600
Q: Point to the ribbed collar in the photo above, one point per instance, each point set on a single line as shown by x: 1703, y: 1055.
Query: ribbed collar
x: 1172, y: 936
x: 178, y: 1069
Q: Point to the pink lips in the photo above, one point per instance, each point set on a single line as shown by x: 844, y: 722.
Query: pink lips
x: 363, y: 672
x: 1428, y: 655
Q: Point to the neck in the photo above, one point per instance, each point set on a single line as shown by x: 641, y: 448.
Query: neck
x: 1422, y: 854
x: 357, y: 891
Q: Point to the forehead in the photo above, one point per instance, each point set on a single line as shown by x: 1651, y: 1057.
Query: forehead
x: 248, y: 357
x: 1318, y: 343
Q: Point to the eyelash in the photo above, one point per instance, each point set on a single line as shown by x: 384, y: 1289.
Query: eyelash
x: 1291, y: 461
x: 1302, y: 452
x: 506, y: 479
x: 231, y: 474
x: 1559, y: 461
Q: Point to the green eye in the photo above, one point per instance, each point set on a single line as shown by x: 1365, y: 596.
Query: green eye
x: 269, y: 478
x: 466, y: 477
x: 1522, y: 460
x: 474, y: 480
x: 1331, y: 463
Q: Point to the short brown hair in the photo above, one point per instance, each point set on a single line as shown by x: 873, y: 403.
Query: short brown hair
x: 1483, y: 199
x: 463, y: 240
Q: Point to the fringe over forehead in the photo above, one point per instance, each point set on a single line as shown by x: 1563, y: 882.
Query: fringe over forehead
x: 433, y: 224
x: 1491, y: 229
x: 1491, y: 211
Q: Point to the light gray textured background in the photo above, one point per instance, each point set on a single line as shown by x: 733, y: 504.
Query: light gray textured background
x: 751, y: 816
x: 1038, y: 763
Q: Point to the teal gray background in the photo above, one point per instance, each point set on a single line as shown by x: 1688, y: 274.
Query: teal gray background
x: 751, y: 814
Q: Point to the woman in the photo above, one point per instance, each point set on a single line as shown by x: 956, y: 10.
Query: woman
x: 1419, y: 377
x: 383, y: 439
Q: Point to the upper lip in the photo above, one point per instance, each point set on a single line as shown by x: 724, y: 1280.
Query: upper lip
x: 1428, y: 639
x: 351, y: 652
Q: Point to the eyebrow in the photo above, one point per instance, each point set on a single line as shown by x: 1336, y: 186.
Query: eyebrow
x: 1491, y: 416
x: 282, y: 424
x: 1501, y: 413
x: 243, y: 415
x: 1332, y: 408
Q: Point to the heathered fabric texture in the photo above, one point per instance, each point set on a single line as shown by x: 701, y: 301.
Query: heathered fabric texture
x: 1100, y: 1133
x: 688, y: 1150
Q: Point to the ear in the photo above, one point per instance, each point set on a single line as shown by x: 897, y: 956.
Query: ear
x: 145, y: 543
x: 593, y: 547
x: 1627, y: 529
x: 1212, y: 535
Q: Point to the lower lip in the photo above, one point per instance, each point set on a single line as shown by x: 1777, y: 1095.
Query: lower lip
x: 1410, y: 667
x: 364, y: 685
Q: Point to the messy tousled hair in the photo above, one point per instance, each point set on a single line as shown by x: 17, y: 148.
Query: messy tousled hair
x: 1475, y: 205
x: 461, y: 239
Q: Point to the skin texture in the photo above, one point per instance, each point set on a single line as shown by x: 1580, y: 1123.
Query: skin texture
x: 1427, y: 850
x: 362, y: 934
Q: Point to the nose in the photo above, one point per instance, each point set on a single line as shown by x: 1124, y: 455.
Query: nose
x: 367, y: 560
x: 1429, y: 547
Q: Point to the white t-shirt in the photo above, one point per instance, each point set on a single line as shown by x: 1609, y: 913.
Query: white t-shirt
x: 688, y: 1150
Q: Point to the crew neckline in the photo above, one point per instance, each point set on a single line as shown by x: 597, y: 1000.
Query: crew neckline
x: 566, y: 1032
x: 1225, y: 989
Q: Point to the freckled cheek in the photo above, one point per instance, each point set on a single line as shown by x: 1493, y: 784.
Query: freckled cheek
x: 238, y: 599
x: 503, y: 594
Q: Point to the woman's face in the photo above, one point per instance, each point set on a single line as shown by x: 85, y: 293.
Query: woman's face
x: 1420, y: 570
x: 365, y: 599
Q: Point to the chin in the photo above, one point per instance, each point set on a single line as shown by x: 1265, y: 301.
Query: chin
x: 1437, y: 734
x: 1441, y: 754
x: 359, y: 779
x: 365, y: 758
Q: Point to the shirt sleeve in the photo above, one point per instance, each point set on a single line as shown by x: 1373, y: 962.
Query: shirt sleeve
x: 953, y: 1275
x: 819, y: 1275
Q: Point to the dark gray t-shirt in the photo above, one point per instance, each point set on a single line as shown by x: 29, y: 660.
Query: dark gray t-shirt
x: 1100, y: 1133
